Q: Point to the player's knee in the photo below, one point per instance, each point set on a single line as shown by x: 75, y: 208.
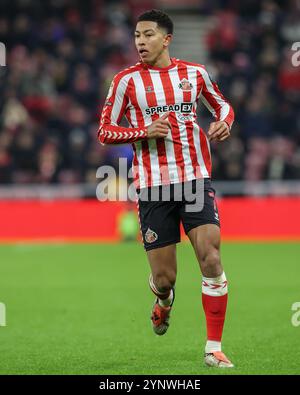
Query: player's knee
x: 211, y: 260
x: 164, y: 281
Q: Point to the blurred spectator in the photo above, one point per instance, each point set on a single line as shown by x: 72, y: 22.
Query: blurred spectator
x: 250, y: 48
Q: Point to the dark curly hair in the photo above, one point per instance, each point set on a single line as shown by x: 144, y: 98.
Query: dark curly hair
x: 161, y: 18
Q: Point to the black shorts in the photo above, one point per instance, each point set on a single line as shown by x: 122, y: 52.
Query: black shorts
x: 161, y: 209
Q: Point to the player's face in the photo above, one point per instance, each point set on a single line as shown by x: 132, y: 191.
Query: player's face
x: 150, y: 41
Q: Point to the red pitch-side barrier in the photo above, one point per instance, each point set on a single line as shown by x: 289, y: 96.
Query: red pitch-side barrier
x: 91, y: 220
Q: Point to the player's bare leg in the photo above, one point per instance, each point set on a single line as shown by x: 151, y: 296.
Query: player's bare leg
x: 162, y: 281
x: 206, y: 243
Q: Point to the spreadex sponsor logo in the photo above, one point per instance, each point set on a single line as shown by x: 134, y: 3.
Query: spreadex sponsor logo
x: 184, y: 108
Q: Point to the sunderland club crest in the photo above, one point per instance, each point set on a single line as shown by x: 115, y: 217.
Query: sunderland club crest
x: 150, y: 236
x: 185, y: 85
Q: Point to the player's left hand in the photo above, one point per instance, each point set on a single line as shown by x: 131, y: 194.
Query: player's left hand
x: 218, y: 131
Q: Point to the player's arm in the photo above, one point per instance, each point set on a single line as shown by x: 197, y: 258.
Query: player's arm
x: 109, y: 130
x: 218, y: 106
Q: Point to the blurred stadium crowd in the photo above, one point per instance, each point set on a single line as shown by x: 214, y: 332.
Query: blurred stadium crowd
x: 62, y: 55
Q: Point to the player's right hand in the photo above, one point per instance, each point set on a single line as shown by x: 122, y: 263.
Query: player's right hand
x: 159, y: 128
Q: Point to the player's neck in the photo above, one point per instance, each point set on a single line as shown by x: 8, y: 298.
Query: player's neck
x: 162, y: 61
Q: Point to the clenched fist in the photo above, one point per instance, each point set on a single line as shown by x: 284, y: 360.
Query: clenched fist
x: 159, y: 128
x: 218, y: 131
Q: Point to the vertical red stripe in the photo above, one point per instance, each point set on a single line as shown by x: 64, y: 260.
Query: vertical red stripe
x: 145, y: 146
x: 170, y: 99
x: 187, y: 96
x: 160, y: 143
x: 205, y: 151
x: 128, y: 117
x: 135, y: 162
x: 138, y: 111
x: 124, y: 104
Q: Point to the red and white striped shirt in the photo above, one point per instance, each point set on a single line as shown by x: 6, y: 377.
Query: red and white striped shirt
x: 143, y: 93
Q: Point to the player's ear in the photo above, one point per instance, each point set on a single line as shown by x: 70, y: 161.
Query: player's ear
x: 167, y: 39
